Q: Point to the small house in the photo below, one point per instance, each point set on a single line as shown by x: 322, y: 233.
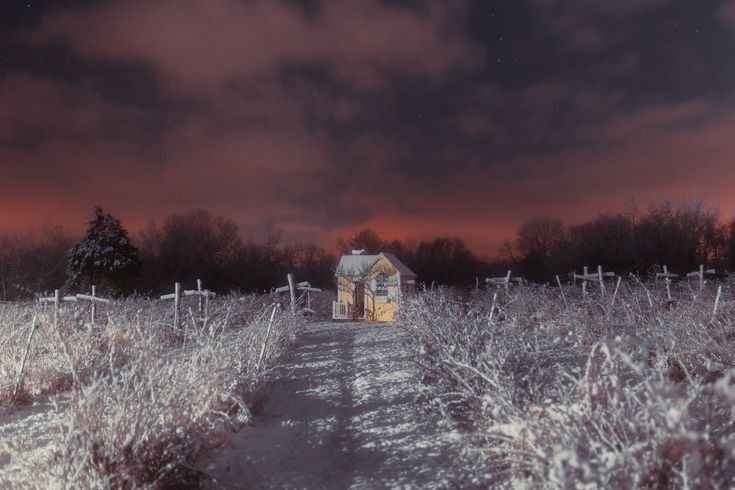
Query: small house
x: 370, y: 286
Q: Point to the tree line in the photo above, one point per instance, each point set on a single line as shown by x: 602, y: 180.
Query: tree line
x: 202, y: 245
x: 182, y: 248
x: 679, y: 236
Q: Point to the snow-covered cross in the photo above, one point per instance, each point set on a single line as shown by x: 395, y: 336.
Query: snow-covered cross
x: 204, y: 295
x: 598, y: 277
x: 94, y: 299
x: 56, y: 299
x: 502, y: 281
x: 700, y: 274
x: 301, y: 286
x: 667, y: 277
x: 176, y: 296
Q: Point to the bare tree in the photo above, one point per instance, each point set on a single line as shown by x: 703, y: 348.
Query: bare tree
x: 33, y: 262
x: 367, y: 240
x: 538, y: 244
x: 195, y: 245
x: 361, y: 283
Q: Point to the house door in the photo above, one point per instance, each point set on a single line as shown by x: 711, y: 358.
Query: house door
x: 359, y: 300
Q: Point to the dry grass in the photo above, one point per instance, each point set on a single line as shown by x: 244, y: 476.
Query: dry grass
x: 142, y: 400
x: 630, y: 393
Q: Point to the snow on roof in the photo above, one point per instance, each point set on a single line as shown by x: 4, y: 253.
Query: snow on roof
x: 356, y: 264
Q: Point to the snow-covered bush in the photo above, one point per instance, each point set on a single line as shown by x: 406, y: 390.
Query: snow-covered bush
x: 149, y: 407
x: 104, y: 256
x: 474, y: 367
x: 627, y: 427
x: 626, y: 390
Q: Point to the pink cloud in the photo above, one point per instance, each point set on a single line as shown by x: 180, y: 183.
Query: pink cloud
x: 672, y: 151
x: 727, y: 12
x: 679, y: 151
x: 65, y: 149
x: 199, y: 46
x: 249, y: 149
x: 58, y: 109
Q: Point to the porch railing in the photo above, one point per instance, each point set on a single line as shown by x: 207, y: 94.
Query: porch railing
x: 341, y: 310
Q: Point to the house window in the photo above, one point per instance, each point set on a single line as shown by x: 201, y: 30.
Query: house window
x: 381, y: 285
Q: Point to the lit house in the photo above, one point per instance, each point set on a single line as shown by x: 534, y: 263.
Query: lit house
x: 369, y: 286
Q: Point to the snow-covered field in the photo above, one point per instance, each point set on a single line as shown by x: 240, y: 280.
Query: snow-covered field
x: 629, y: 391
x: 142, y: 400
x: 525, y: 388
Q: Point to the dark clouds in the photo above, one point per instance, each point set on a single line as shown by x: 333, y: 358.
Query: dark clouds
x: 417, y: 118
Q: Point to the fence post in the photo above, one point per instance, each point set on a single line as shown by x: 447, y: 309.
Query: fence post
x: 602, y: 281
x: 267, y: 334
x: 177, y: 303
x: 584, y: 283
x: 492, y: 308
x: 94, y: 303
x: 206, y: 306
x: 25, y: 358
x: 293, y: 294
x: 717, y: 302
x: 57, y: 306
x: 615, y: 293
x: 558, y: 281
x: 201, y: 300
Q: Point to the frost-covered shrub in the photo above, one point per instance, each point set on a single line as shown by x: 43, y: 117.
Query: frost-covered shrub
x: 75, y: 347
x: 474, y: 366
x: 625, y: 390
x: 139, y: 420
x: 628, y: 428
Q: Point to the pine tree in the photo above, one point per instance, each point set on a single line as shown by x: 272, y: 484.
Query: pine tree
x: 105, y: 257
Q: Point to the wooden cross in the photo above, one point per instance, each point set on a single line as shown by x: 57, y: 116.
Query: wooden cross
x: 56, y: 299
x: 94, y: 299
x: 203, y: 294
x: 176, y: 296
x: 667, y: 280
x: 502, y: 281
x: 599, y: 278
x: 700, y: 274
x: 301, y: 286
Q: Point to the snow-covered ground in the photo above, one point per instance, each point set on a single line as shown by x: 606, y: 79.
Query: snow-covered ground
x: 343, y: 416
x: 39, y: 431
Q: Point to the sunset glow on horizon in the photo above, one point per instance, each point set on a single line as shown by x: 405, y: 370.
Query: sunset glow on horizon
x: 413, y: 118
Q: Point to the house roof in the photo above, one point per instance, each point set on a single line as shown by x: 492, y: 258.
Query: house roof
x: 353, y: 265
x: 400, y: 266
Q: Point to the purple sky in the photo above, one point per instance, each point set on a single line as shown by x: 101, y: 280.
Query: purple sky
x: 416, y: 118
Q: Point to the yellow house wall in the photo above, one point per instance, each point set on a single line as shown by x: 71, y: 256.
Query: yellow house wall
x: 379, y: 309
x: 345, y: 290
x: 381, y: 312
x: 383, y: 309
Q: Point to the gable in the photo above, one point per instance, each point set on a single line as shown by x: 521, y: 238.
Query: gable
x: 358, y: 265
x: 399, y: 266
x: 355, y: 265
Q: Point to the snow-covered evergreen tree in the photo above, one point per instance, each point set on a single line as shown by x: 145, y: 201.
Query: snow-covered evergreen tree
x: 105, y: 257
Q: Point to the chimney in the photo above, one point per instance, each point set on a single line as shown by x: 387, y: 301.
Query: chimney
x: 358, y: 252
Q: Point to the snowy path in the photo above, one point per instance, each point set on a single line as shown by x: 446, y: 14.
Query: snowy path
x: 344, y: 417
